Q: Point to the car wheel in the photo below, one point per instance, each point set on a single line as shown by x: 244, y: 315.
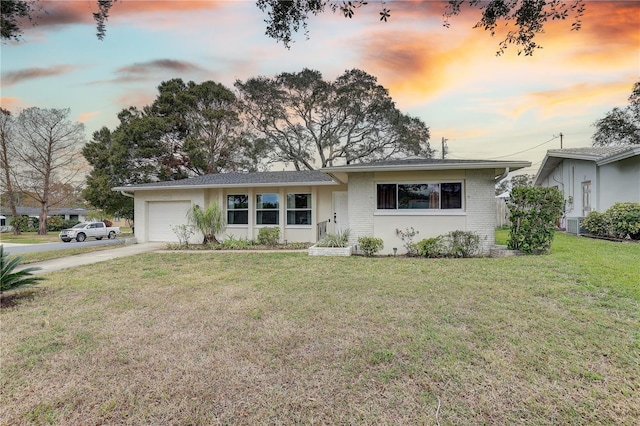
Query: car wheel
x: 112, y: 235
x: 80, y: 238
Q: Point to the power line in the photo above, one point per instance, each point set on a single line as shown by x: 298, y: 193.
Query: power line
x: 533, y: 147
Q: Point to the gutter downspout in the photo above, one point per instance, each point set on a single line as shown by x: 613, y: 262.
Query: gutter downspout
x: 127, y: 194
x: 503, y: 175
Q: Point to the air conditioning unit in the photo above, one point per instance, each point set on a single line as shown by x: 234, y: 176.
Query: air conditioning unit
x: 573, y: 225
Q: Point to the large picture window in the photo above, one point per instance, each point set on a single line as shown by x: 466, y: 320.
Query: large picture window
x: 298, y: 209
x: 267, y: 209
x: 237, y: 210
x: 419, y: 196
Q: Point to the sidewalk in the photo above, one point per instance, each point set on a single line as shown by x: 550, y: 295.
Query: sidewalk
x: 93, y: 257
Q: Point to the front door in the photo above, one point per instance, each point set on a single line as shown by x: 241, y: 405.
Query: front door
x: 340, y: 212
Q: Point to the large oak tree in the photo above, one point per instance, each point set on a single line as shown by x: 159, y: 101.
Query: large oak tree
x: 312, y: 123
x: 525, y: 19
x: 620, y: 126
x: 189, y: 130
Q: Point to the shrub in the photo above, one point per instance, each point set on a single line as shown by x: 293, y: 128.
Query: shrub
x: 453, y: 244
x: 20, y: 222
x: 407, y: 238
x: 235, y: 243
x: 534, y: 214
x: 269, y: 236
x: 596, y: 223
x: 10, y: 278
x: 462, y: 244
x: 431, y: 247
x: 33, y: 224
x: 370, y: 245
x: 183, y: 232
x: 70, y: 223
x: 339, y: 239
x: 624, y: 220
x: 55, y: 223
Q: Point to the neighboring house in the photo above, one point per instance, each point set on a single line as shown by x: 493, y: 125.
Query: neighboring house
x: 591, y: 179
x: 374, y: 199
x: 502, y: 211
x: 76, y: 214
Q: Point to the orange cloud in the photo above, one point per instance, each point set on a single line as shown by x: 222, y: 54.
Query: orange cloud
x: 417, y: 65
x: 87, y: 116
x: 10, y: 104
x: 14, y: 77
x: 568, y: 101
x: 609, y: 37
x: 53, y: 13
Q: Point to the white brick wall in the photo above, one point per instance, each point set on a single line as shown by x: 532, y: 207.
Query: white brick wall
x: 361, y: 206
x: 330, y: 251
x: 481, y: 206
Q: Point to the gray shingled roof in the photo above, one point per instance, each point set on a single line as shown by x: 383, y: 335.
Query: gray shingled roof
x: 600, y: 155
x: 35, y: 211
x: 599, y: 152
x: 302, y: 177
x: 420, y: 163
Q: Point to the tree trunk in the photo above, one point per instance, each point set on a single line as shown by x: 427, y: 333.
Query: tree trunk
x: 42, y: 225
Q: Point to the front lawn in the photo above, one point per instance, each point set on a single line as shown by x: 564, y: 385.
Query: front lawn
x: 284, y: 338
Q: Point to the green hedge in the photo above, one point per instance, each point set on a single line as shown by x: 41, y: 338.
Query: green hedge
x: 534, y: 213
x: 622, y: 220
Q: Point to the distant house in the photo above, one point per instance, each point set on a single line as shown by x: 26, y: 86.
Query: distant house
x: 591, y: 179
x: 371, y: 200
x: 74, y: 214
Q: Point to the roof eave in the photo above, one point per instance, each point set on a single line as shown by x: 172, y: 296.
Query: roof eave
x: 631, y: 152
x: 228, y: 185
x: 426, y: 167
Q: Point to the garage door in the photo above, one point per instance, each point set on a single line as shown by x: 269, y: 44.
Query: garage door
x: 165, y: 214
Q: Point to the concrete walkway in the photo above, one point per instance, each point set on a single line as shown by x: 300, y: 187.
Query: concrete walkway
x: 94, y: 257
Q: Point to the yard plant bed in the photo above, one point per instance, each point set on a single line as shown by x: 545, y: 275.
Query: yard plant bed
x: 284, y: 338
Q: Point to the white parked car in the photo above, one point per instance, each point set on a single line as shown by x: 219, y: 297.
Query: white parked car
x: 82, y: 231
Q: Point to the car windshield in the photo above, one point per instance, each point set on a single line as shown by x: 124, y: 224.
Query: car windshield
x: 80, y: 225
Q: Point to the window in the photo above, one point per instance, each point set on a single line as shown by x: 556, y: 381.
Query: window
x: 298, y: 209
x: 586, y: 197
x: 419, y: 196
x: 237, y: 210
x: 267, y: 209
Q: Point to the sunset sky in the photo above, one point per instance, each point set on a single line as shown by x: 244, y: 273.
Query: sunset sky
x: 487, y: 106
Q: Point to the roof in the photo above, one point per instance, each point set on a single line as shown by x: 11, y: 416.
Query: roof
x: 35, y: 211
x: 420, y: 163
x: 600, y: 155
x: 230, y: 180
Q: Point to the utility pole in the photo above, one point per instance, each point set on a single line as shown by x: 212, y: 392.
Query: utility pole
x: 444, y: 146
x: 560, y: 140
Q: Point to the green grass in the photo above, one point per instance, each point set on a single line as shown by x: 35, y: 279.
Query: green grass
x: 29, y: 238
x: 284, y: 338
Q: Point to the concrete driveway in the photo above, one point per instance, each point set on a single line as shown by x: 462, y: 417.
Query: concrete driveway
x: 94, y: 257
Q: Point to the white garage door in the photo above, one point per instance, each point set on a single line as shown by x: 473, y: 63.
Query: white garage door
x: 165, y: 214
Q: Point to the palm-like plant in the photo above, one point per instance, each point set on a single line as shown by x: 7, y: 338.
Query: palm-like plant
x: 11, y: 278
x: 209, y: 221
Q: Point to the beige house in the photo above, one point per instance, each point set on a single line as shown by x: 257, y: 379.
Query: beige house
x: 373, y: 199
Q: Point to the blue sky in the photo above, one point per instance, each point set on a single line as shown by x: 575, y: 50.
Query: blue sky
x: 486, y: 106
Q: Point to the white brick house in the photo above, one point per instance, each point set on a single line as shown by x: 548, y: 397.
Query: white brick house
x: 373, y: 200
